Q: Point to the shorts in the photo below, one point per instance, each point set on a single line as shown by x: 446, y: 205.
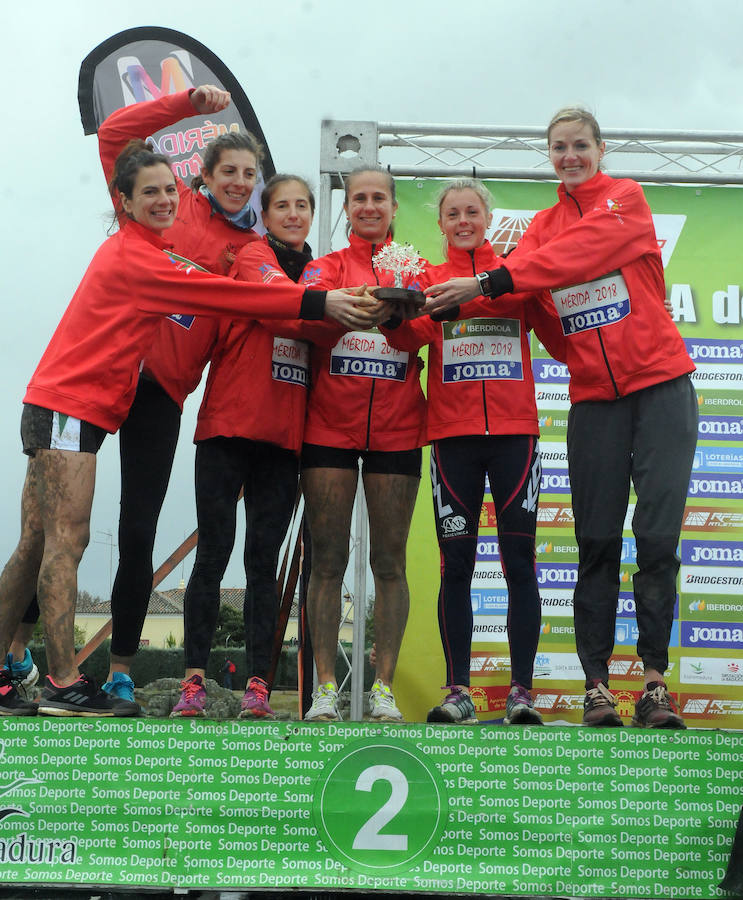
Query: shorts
x: 380, y: 462
x: 44, y: 429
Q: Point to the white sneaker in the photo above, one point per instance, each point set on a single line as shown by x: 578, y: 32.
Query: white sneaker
x: 382, y: 705
x: 324, y: 705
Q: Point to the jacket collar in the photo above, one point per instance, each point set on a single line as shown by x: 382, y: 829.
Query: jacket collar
x: 362, y: 249
x: 588, y: 192
x: 480, y: 260
x: 134, y: 228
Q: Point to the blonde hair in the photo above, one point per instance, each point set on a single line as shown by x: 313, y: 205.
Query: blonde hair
x: 463, y: 184
x: 575, y: 114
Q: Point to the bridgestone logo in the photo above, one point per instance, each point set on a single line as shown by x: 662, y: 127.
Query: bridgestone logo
x: 713, y: 579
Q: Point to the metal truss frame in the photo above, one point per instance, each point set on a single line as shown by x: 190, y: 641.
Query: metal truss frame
x: 512, y: 153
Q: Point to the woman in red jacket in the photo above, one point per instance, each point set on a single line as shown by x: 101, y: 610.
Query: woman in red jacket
x: 84, y: 386
x: 365, y: 403
x: 248, y: 435
x: 214, y: 220
x: 634, y: 412
x: 481, y: 421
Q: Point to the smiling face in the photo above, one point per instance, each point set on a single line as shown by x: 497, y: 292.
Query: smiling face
x: 232, y: 179
x: 154, y: 198
x: 370, y: 207
x: 289, y: 214
x: 463, y: 219
x: 574, y: 152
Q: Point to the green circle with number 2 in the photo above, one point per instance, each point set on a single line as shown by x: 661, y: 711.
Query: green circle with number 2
x: 380, y: 807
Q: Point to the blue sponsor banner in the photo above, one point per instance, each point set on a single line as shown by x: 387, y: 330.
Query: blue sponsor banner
x: 728, y: 635
x: 555, y: 481
x: 629, y: 550
x: 720, y: 428
x: 626, y: 632
x: 714, y: 350
x: 712, y: 553
x: 717, y: 485
x: 717, y: 459
x: 556, y: 575
x: 549, y: 370
x: 493, y: 602
x: 626, y: 606
x: 487, y: 548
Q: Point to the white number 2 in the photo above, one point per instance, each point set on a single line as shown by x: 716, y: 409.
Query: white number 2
x: 368, y: 837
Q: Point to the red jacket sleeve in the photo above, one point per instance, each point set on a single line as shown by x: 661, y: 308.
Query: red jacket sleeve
x: 601, y: 241
x: 140, y: 120
x: 254, y: 264
x: 162, y: 285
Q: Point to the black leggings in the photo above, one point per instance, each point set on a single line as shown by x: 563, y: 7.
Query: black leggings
x: 647, y: 438
x: 147, y: 442
x: 269, y: 477
x: 458, y: 469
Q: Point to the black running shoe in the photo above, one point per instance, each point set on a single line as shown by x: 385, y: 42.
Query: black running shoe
x: 11, y: 702
x: 599, y: 707
x: 656, y: 709
x: 82, y: 698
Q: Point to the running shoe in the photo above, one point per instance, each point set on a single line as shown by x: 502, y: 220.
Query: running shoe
x: 81, y: 698
x: 193, y: 698
x: 254, y: 704
x: 520, y: 707
x: 24, y: 670
x: 457, y: 707
x: 324, y: 705
x: 599, y: 707
x: 121, y: 690
x: 382, y: 706
x: 656, y: 709
x: 11, y: 702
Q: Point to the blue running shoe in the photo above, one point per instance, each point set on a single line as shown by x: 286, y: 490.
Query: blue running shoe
x: 24, y: 670
x: 120, y: 686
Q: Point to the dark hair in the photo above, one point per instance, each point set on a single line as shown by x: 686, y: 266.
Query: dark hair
x: 360, y: 171
x: 136, y: 155
x: 273, y: 183
x: 378, y: 170
x: 231, y: 140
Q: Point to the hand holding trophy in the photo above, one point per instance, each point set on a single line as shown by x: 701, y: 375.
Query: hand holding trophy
x: 400, y: 260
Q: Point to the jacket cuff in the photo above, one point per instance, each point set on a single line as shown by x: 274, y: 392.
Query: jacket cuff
x: 446, y: 315
x: 500, y: 282
x: 313, y: 305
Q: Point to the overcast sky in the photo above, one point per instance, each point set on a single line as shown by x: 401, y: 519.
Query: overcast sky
x: 636, y: 63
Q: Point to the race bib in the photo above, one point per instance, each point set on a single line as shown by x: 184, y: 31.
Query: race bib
x: 482, y: 350
x: 583, y: 307
x: 367, y: 353
x: 290, y: 361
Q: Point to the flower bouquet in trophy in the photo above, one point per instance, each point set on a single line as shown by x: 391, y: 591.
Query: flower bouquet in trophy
x: 401, y: 260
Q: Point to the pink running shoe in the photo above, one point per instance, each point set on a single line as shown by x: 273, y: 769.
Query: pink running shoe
x: 193, y: 698
x: 254, y: 704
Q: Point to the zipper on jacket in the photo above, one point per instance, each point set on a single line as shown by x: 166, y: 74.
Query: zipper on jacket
x: 482, y: 384
x: 374, y: 380
x: 598, y: 330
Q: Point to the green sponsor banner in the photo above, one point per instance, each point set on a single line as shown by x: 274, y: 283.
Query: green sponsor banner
x: 699, y: 232
x: 420, y: 808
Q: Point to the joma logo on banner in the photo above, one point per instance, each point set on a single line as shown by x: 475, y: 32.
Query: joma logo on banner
x: 176, y: 74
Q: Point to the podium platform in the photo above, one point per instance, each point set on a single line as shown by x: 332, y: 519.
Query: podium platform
x: 489, y: 810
